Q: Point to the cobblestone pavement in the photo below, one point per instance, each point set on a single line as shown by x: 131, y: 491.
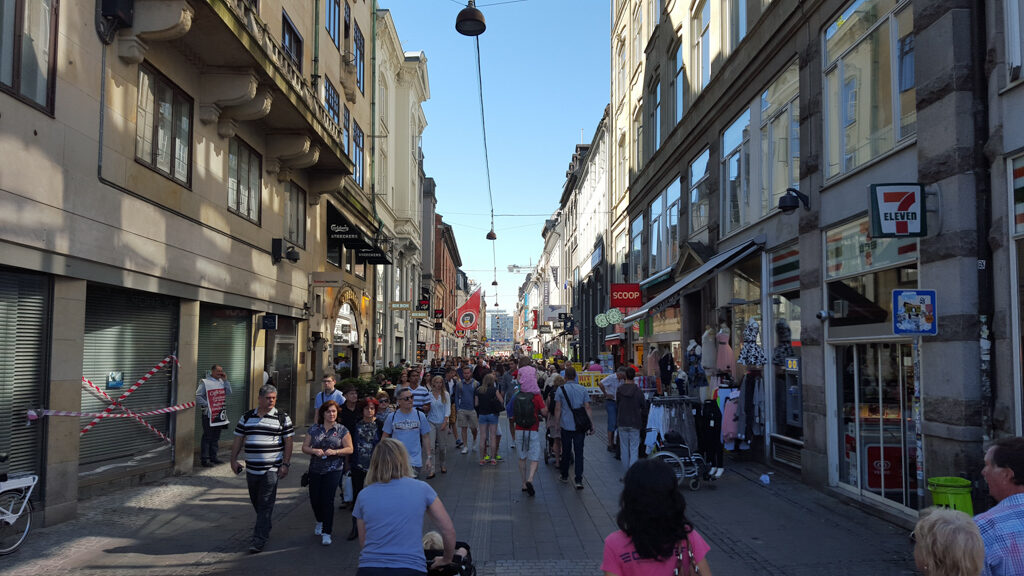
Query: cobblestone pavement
x: 200, y: 524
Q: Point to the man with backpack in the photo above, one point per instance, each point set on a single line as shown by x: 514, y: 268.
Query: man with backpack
x: 572, y: 412
x: 527, y: 409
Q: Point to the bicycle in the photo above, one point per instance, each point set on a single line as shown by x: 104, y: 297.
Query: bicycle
x: 15, y: 508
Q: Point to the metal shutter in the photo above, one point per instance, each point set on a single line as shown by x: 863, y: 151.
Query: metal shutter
x: 24, y: 327
x: 131, y: 332
x: 224, y: 335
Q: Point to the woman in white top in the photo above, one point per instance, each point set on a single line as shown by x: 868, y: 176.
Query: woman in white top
x: 440, y: 411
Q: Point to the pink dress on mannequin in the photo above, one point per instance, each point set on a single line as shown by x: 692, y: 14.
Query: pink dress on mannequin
x: 724, y: 358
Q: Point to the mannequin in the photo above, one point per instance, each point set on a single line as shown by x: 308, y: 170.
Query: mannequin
x: 783, y: 346
x: 752, y: 354
x: 708, y: 349
x: 724, y: 360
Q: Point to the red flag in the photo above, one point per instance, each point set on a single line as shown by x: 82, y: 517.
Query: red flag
x: 468, y: 313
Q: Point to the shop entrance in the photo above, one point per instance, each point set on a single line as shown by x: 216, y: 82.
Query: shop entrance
x: 875, y: 444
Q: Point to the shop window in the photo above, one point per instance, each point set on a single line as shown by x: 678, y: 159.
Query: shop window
x: 291, y: 41
x: 163, y: 131
x: 28, y: 32
x: 244, y: 181
x: 295, y: 214
x: 700, y: 191
x: 869, y: 54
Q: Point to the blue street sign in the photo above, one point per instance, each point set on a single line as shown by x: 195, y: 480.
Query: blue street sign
x: 914, y: 313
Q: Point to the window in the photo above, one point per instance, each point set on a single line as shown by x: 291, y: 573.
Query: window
x: 1014, y: 37
x: 653, y: 15
x: 780, y: 137
x: 621, y: 78
x: 638, y: 48
x: 702, y: 44
x: 636, y: 268
x: 621, y: 255
x: 331, y: 20
x: 28, y: 32
x: 620, y: 174
x: 163, y: 133
x: 295, y: 214
x: 345, y: 119
x: 679, y: 84
x: 332, y: 101
x: 664, y: 227
x: 638, y: 129
x: 348, y: 20
x: 244, y: 184
x: 1017, y: 186
x: 655, y: 120
x: 358, y: 52
x: 291, y: 41
x: 700, y: 190
x: 357, y: 153
x: 869, y: 82
x: 736, y: 23
x: 737, y: 209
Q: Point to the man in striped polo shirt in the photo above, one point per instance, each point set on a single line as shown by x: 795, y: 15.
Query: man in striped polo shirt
x: 266, y: 433
x: 420, y: 395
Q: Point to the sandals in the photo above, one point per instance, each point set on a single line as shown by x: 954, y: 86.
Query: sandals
x: 431, y: 477
x: 444, y: 470
x: 484, y: 462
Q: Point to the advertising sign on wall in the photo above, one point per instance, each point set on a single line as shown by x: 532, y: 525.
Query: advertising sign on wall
x: 626, y: 296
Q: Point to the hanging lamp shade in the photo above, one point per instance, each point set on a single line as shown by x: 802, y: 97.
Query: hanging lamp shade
x: 495, y: 283
x: 470, y: 21
x: 491, y: 235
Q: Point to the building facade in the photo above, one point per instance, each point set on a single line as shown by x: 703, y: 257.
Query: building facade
x: 740, y: 103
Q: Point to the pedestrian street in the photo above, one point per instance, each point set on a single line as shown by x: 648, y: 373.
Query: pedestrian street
x: 201, y: 523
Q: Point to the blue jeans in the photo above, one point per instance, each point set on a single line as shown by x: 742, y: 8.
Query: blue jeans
x: 263, y: 494
x: 629, y: 446
x: 321, y: 497
x: 572, y: 448
x: 613, y: 413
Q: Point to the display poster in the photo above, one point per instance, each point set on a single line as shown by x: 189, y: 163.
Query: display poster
x: 217, y: 397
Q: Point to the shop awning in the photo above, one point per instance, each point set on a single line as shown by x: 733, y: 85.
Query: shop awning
x: 373, y: 255
x: 615, y: 336
x: 722, y: 260
x: 340, y: 229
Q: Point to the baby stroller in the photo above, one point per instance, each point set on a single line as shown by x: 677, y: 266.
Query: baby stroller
x: 549, y: 445
x: 678, y: 446
x: 462, y: 562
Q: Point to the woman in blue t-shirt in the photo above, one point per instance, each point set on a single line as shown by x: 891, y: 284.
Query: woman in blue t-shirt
x: 327, y: 444
x: 389, y: 513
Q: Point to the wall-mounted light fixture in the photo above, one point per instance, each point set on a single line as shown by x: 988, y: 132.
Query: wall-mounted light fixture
x: 279, y: 250
x: 792, y: 200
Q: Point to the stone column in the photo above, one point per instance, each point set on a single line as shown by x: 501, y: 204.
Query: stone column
x: 68, y: 329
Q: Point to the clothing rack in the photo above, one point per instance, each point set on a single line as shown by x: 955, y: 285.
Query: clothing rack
x: 665, y: 400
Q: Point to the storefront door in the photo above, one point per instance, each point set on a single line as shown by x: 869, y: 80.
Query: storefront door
x: 875, y: 444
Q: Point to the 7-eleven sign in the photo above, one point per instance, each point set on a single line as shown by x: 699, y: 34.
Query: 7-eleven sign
x: 897, y: 210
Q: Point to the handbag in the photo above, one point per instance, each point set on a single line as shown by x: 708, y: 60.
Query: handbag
x: 304, y: 480
x: 694, y: 569
x: 579, y: 415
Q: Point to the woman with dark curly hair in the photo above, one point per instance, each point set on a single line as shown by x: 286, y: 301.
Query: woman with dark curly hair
x: 654, y: 536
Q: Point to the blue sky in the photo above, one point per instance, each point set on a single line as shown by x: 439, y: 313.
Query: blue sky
x: 545, y: 68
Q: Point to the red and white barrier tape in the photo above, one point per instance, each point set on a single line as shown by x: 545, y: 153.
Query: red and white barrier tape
x: 36, y: 414
x: 117, y: 403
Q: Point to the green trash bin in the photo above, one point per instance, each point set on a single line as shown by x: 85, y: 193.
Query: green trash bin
x: 952, y: 492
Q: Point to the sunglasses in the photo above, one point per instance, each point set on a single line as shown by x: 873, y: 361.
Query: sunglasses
x: 405, y: 398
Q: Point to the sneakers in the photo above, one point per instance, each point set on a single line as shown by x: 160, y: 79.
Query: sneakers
x: 206, y: 464
x: 563, y: 479
x: 458, y: 443
x: 465, y: 450
x: 318, y: 529
x: 511, y: 446
x: 498, y: 457
x: 255, y: 547
x: 529, y: 489
x: 579, y: 484
x: 487, y: 458
x: 326, y: 540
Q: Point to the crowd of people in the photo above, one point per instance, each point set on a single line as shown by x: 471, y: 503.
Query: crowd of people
x: 388, y: 451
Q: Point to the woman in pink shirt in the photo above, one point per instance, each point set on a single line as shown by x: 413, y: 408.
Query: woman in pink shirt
x: 654, y: 536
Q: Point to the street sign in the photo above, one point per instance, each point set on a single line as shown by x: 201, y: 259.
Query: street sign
x: 545, y: 329
x: 435, y: 347
x: 401, y: 305
x: 626, y: 296
x: 423, y: 304
x: 438, y: 325
x: 419, y: 314
x: 563, y: 316
x: 914, y: 313
x: 438, y: 313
